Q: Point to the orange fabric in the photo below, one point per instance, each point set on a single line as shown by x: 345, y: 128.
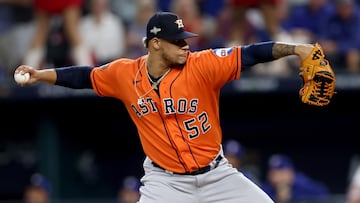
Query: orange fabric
x: 180, y: 130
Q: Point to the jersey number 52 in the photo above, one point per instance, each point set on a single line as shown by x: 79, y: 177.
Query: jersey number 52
x: 195, y: 129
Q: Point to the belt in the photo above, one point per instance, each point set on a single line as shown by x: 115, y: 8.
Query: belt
x: 199, y: 171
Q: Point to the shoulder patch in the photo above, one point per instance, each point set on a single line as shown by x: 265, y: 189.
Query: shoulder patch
x: 222, y: 52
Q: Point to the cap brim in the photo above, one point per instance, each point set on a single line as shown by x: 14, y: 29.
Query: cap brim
x: 182, y: 35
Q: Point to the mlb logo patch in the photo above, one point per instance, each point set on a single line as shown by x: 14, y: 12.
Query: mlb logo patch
x: 222, y: 52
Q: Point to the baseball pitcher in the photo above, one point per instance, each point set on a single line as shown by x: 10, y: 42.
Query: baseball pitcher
x: 172, y: 96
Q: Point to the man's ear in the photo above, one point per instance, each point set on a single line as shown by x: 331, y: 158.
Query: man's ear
x: 145, y: 42
x: 156, y: 43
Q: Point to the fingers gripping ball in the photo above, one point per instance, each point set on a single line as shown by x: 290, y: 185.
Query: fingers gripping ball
x: 318, y: 79
x: 21, y: 78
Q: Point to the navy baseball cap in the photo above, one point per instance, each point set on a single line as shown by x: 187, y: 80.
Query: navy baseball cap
x: 168, y: 26
x: 233, y: 147
x: 131, y: 183
x: 40, y: 181
x: 280, y: 161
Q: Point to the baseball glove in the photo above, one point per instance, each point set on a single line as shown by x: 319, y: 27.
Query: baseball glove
x: 318, y: 78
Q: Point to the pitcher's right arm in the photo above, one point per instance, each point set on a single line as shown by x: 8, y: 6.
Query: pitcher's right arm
x: 76, y: 77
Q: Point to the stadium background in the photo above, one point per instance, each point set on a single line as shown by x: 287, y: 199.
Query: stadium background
x: 86, y: 145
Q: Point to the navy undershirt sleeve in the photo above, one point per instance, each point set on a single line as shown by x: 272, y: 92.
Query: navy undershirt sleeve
x: 253, y: 54
x: 76, y: 77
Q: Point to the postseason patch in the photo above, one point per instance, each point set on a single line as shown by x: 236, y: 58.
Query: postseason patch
x: 222, y: 52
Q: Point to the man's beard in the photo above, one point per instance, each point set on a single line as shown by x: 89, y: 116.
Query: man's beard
x: 171, y: 62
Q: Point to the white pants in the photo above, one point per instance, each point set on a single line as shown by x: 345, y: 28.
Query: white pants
x: 224, y: 184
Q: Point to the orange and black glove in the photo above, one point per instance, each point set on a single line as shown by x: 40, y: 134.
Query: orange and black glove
x: 318, y: 79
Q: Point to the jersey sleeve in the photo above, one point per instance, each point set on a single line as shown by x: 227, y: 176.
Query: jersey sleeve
x: 218, y: 66
x: 104, y: 80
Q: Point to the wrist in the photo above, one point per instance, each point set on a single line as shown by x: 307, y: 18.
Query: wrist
x: 303, y: 50
x: 46, y: 75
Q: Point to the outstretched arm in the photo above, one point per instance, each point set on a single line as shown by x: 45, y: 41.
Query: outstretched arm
x: 315, y: 71
x: 76, y: 77
x: 281, y: 49
x: 269, y: 51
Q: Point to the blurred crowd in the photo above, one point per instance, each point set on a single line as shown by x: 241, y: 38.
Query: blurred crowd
x: 38, y: 190
x: 285, y: 182
x: 281, y: 178
x: 59, y: 33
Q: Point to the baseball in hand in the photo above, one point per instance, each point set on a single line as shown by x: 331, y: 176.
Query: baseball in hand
x: 21, y: 78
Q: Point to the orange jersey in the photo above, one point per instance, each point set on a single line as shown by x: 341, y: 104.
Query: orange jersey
x: 179, y: 128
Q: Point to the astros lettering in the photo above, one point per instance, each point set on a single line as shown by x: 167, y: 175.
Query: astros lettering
x: 182, y: 106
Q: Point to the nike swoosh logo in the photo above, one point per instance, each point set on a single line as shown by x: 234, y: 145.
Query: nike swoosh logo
x: 136, y: 81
